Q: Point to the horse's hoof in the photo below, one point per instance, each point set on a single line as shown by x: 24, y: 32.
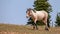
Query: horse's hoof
x: 33, y: 28
x: 36, y: 28
x: 46, y: 29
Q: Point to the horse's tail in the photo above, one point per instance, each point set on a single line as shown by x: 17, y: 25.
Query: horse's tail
x: 48, y: 23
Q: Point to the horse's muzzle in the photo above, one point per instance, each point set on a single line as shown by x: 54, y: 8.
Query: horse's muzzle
x: 26, y: 16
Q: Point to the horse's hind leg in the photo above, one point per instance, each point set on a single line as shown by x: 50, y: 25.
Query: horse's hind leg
x: 46, y: 27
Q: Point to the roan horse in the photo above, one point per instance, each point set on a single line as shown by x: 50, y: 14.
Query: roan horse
x: 36, y: 16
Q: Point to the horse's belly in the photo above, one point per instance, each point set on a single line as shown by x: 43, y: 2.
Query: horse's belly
x: 40, y: 17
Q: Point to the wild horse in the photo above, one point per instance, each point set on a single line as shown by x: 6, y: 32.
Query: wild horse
x: 36, y: 16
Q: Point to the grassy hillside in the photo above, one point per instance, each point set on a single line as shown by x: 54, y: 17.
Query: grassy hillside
x: 20, y: 29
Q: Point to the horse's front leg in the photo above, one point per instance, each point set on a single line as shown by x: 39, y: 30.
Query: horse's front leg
x: 35, y: 25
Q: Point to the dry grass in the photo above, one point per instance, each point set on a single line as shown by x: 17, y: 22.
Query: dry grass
x: 19, y: 29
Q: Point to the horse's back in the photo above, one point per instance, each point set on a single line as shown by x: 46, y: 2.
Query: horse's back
x: 41, y: 14
x: 42, y: 11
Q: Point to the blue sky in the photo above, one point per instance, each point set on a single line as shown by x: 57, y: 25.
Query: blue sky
x: 14, y: 11
x: 56, y: 8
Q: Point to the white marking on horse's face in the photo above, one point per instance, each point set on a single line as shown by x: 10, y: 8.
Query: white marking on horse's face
x: 28, y: 14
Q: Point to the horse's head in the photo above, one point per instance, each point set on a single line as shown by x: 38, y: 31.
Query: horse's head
x: 28, y: 12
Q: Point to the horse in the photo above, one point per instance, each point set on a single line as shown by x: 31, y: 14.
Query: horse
x: 37, y: 16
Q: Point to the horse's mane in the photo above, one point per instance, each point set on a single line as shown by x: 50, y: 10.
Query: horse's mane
x: 34, y: 10
x: 31, y: 9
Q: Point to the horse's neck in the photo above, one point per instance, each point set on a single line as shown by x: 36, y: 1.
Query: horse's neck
x: 32, y: 12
